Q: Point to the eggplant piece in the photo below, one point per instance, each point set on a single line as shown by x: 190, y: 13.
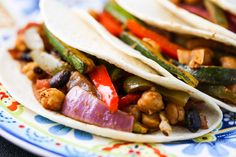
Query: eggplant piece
x: 77, y: 79
x: 85, y: 107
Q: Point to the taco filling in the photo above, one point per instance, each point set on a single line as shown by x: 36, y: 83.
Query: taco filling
x: 93, y: 91
x: 205, y: 64
x: 209, y: 11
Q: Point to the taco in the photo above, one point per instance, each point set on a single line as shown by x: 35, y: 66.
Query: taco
x: 205, y: 14
x: 82, y: 81
x: 200, y: 62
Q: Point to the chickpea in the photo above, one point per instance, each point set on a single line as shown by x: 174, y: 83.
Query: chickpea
x: 164, y: 126
x: 52, y: 99
x: 28, y: 70
x: 150, y: 102
x: 151, y: 121
x: 175, y: 113
x: 228, y: 62
x: 134, y: 111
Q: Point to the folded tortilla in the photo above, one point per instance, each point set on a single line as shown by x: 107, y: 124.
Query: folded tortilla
x: 197, y: 21
x: 76, y: 32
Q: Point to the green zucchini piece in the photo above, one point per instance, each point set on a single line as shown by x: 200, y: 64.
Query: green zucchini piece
x: 213, y: 75
x: 158, y: 58
x: 176, y: 97
x: 217, y: 14
x: 139, y: 128
x: 135, y: 84
x: 73, y: 56
x: 119, y: 13
x: 220, y: 92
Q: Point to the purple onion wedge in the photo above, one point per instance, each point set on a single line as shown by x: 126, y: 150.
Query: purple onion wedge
x: 85, y: 107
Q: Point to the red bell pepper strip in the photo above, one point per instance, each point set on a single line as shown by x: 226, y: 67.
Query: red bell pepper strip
x: 105, y: 87
x: 166, y: 46
x: 128, y: 100
x: 110, y: 23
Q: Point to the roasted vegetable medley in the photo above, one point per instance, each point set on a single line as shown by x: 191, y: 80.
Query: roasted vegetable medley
x: 205, y: 64
x: 93, y: 91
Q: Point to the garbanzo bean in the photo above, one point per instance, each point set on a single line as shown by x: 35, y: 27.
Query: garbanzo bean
x: 174, y: 113
x: 150, y: 102
x: 151, y: 121
x: 52, y: 99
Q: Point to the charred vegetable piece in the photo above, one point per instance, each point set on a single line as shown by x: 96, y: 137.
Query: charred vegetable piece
x: 147, y: 52
x: 128, y: 100
x: 105, y: 87
x: 76, y: 58
x: 139, y: 128
x: 116, y: 11
x: 48, y: 62
x: 219, y: 92
x: 213, y: 75
x: 77, y: 79
x: 192, y: 120
x: 26, y: 57
x: 60, y: 79
x: 116, y: 74
x: 134, y: 111
x: 95, y: 111
x: 217, y: 14
x: 134, y: 84
x: 177, y: 97
x: 151, y: 121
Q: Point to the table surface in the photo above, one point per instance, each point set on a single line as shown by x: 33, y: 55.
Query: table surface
x: 10, y: 150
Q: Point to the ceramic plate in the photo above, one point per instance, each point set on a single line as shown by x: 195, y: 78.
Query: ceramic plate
x: 47, y: 138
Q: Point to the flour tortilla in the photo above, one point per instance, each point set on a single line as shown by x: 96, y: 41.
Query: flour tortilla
x: 72, y: 30
x: 228, y: 5
x: 155, y: 14
x: 197, y: 21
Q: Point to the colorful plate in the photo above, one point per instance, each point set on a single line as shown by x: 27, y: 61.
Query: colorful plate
x: 47, y: 138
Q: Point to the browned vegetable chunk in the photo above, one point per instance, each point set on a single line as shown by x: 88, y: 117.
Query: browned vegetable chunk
x: 196, y: 57
x: 77, y: 79
x: 52, y: 99
x: 150, y: 102
x: 174, y: 113
x: 151, y: 121
x: 228, y: 62
x: 134, y: 111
